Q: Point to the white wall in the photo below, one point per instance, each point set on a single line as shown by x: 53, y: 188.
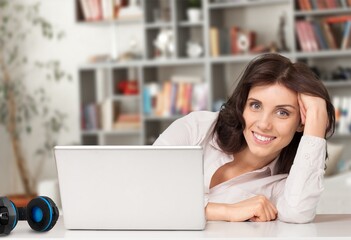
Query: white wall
x: 81, y: 41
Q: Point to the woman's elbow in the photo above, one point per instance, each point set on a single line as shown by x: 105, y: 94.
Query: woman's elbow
x: 294, y: 216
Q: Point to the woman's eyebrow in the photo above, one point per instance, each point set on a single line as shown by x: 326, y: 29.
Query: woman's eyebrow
x: 253, y: 99
x: 278, y: 106
x: 285, y: 106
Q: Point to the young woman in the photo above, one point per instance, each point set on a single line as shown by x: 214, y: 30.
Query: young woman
x: 265, y: 150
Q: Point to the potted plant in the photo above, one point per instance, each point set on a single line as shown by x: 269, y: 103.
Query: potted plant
x: 194, y: 10
x: 20, y: 106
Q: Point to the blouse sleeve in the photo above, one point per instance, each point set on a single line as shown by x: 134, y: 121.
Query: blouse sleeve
x: 180, y: 132
x: 297, y: 196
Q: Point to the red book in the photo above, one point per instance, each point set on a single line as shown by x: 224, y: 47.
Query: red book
x: 301, y: 5
x: 338, y: 19
x: 301, y: 36
x: 307, y: 5
x: 234, y: 39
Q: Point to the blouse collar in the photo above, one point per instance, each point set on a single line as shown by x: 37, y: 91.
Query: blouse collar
x: 271, y: 166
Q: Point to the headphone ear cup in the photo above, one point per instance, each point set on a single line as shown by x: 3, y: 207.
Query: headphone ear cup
x: 8, y: 208
x: 42, y: 214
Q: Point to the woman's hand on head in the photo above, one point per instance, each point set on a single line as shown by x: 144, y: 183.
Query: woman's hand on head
x: 256, y: 209
x: 314, y: 117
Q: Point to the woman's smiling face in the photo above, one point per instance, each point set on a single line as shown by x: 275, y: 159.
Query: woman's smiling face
x: 272, y: 116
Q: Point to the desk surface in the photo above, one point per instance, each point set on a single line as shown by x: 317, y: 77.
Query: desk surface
x: 325, y: 225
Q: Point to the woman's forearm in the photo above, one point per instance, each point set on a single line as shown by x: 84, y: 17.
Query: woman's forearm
x: 216, y: 212
x: 316, y: 123
x: 257, y: 208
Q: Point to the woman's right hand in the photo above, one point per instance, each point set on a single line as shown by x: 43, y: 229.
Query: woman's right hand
x: 256, y: 209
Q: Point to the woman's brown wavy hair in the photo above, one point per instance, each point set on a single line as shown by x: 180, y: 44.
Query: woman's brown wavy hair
x: 268, y: 69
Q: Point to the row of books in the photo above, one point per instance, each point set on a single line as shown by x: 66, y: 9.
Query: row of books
x: 96, y: 10
x: 342, y: 107
x: 107, y: 116
x: 227, y: 41
x: 323, y: 34
x: 178, y: 96
x: 307, y: 5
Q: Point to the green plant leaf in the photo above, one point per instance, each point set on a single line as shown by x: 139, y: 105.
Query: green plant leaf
x: 5, y: 19
x: 61, y: 35
x: 29, y: 129
x: 3, y: 4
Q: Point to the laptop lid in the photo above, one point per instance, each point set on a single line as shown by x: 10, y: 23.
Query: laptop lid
x: 131, y: 187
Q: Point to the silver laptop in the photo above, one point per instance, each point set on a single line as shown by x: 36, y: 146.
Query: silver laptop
x: 131, y: 187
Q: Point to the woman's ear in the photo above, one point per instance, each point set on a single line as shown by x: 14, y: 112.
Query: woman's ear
x: 300, y: 128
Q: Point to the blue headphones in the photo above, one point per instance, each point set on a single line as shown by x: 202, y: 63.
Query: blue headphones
x: 41, y: 214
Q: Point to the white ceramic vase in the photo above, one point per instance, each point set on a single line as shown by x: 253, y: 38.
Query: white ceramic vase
x: 194, y: 15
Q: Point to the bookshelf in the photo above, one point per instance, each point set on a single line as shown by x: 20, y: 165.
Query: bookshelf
x: 218, y: 72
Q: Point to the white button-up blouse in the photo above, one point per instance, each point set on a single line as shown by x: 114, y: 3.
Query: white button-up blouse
x: 295, y: 194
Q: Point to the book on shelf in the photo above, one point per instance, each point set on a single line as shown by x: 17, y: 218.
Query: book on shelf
x: 308, y: 5
x: 317, y: 28
x: 94, y: 10
x: 91, y: 116
x: 304, y: 4
x: 346, y: 38
x: 178, y: 96
x: 332, y: 44
x: 97, y: 10
x: 323, y: 34
x: 302, y: 35
x: 234, y: 31
x: 127, y: 121
x: 214, y: 41
x: 342, y: 105
x: 107, y: 113
x: 150, y: 92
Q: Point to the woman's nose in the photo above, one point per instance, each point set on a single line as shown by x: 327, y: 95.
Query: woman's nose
x: 264, y: 122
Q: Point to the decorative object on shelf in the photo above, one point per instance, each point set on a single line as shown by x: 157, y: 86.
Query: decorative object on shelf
x: 282, y: 33
x: 243, y: 43
x: 99, y: 58
x: 156, y: 14
x: 194, y: 50
x: 193, y: 11
x: 341, y: 73
x: 18, y: 105
x: 133, y: 52
x: 164, y: 43
x: 128, y: 87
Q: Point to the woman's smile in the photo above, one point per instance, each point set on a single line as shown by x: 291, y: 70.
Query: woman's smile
x: 262, y: 139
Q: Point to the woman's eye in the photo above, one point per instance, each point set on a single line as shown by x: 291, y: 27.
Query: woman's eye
x: 283, y: 113
x: 255, y: 105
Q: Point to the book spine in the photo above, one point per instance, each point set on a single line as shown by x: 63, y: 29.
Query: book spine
x: 320, y: 36
x: 346, y: 35
x: 214, y: 36
x: 301, y: 36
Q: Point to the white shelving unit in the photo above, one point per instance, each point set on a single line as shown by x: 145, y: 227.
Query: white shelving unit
x: 220, y: 73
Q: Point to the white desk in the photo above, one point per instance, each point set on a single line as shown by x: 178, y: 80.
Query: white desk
x: 329, y: 226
